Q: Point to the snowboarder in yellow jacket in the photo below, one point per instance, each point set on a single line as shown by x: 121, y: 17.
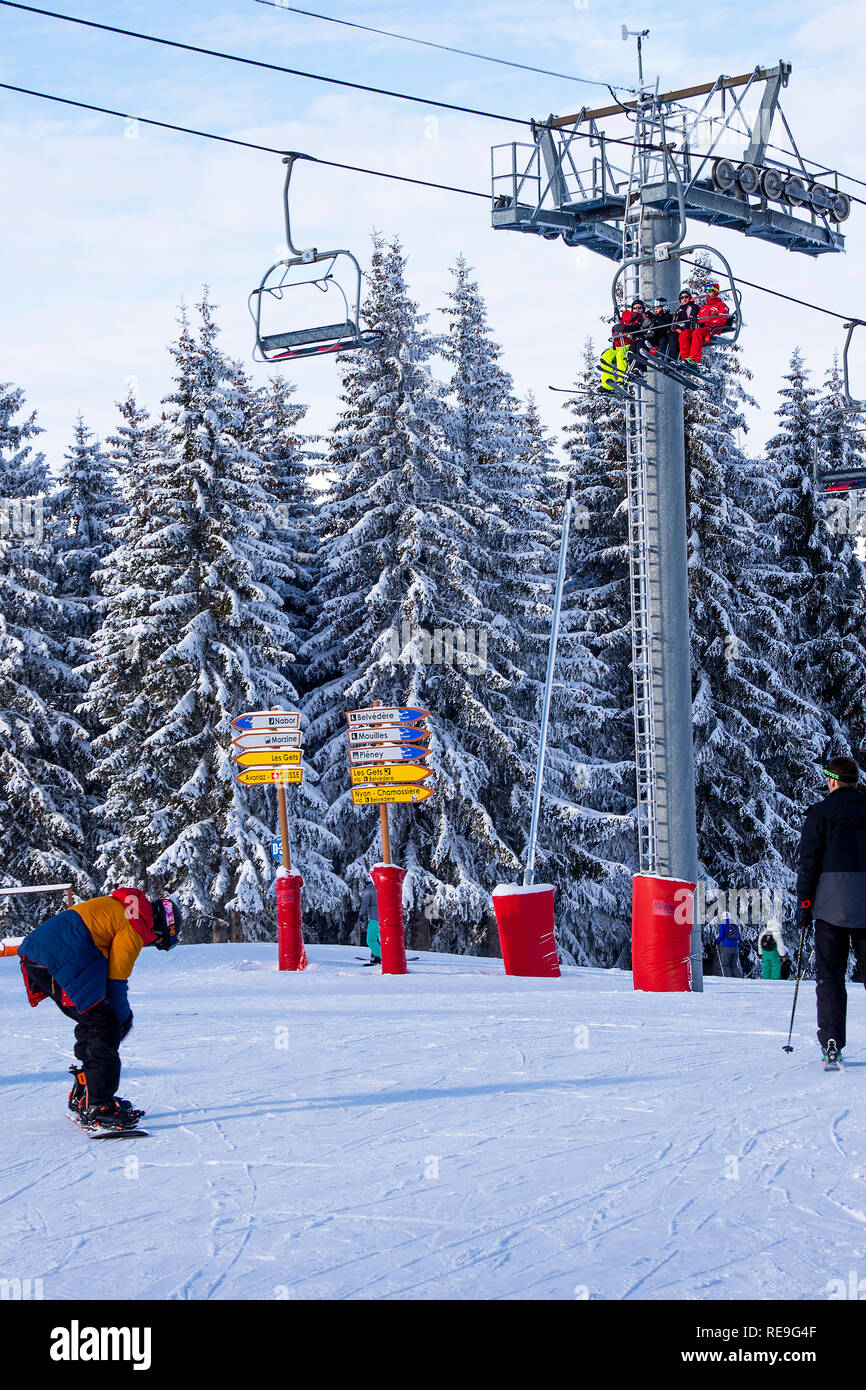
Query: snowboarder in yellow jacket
x: 82, y: 959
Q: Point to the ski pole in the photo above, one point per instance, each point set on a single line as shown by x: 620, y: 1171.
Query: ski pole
x: 787, y: 1047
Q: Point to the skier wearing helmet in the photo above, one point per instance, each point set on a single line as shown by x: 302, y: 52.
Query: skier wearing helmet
x: 662, y: 337
x: 616, y: 360
x: 686, y: 322
x: 82, y: 959
x: 713, y: 316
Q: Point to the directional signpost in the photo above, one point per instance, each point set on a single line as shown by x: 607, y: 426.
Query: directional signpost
x: 387, y: 752
x: 267, y: 748
x: 270, y: 776
x: 270, y: 719
x: 389, y: 733
x: 407, y: 772
x: 262, y: 738
x: 268, y: 757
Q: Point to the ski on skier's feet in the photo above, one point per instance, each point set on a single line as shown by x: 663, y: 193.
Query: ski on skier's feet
x: 378, y: 962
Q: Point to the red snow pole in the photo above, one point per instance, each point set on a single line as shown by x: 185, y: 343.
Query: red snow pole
x: 661, y: 925
x: 388, y: 879
x: 524, y: 919
x: 290, y: 940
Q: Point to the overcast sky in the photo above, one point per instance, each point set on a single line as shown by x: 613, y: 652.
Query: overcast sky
x: 106, y: 228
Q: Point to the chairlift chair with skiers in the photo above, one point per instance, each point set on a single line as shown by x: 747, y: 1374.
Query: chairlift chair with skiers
x: 283, y: 303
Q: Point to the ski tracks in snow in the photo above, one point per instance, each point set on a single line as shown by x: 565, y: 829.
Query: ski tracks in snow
x: 449, y: 1134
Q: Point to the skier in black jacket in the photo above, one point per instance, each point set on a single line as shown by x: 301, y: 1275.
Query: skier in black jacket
x: 831, y: 890
x: 663, y: 337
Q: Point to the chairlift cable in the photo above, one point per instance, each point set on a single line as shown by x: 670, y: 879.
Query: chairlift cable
x: 259, y: 63
x: 353, y: 168
x: 244, y: 144
x: 777, y: 294
x: 443, y: 47
x: 357, y: 86
x: 532, y: 125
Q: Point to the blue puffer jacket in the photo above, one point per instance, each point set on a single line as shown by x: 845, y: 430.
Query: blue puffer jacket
x: 63, y: 946
x: 729, y: 934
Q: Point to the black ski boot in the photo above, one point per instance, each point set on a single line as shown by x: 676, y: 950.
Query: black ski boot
x: 76, y: 1098
x: 832, y: 1056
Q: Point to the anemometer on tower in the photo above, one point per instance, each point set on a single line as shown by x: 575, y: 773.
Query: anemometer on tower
x: 572, y: 183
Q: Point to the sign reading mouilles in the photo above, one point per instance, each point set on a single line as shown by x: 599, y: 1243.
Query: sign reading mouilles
x: 77, y: 1343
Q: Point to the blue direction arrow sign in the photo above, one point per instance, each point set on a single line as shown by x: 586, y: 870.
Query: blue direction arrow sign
x: 388, y: 753
x: 385, y: 714
x: 389, y: 733
x: 267, y: 719
x: 277, y: 847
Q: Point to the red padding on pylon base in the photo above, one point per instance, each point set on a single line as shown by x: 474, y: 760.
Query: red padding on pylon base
x: 524, y: 919
x: 290, y: 941
x: 388, y: 879
x: 662, y: 911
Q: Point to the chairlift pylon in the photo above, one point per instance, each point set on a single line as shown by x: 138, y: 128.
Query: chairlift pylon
x: 278, y: 336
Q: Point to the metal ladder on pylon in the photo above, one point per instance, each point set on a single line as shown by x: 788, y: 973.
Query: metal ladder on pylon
x: 638, y: 550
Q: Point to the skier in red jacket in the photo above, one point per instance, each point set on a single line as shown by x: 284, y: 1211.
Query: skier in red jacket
x: 686, y: 322
x: 713, y: 316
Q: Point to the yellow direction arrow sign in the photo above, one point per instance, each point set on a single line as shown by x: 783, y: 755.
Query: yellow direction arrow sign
x: 256, y: 776
x: 376, y: 796
x: 268, y: 757
x: 404, y: 772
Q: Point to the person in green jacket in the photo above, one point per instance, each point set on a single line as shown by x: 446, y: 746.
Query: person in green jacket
x: 771, y: 949
x: 368, y: 920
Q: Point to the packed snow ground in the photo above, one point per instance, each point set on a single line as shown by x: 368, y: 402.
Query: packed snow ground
x: 449, y: 1134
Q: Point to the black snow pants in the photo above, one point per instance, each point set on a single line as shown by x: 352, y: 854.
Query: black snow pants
x: 98, y: 1035
x: 831, y: 963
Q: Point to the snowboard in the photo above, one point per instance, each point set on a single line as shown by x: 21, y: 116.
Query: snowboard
x: 96, y: 1133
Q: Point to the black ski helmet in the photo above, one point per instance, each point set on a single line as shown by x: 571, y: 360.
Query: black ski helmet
x: 167, y: 923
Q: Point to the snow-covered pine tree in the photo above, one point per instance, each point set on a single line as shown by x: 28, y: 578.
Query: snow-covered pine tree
x: 278, y: 442
x: 84, y: 505
x: 841, y: 444
x: 592, y: 841
x: 42, y: 802
x: 413, y: 608
x: 824, y: 582
x: 133, y: 446
x: 754, y: 735
x: 205, y: 639
x: 124, y: 649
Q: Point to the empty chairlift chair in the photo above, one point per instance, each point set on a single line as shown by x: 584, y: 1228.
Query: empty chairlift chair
x: 284, y: 304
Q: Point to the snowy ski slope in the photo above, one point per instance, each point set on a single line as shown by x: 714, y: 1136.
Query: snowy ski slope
x: 449, y: 1134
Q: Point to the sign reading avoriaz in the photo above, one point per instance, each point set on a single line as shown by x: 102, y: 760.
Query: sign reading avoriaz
x: 256, y: 776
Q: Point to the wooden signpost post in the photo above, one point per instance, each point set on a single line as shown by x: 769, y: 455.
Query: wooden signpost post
x: 268, y: 751
x: 387, y: 750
